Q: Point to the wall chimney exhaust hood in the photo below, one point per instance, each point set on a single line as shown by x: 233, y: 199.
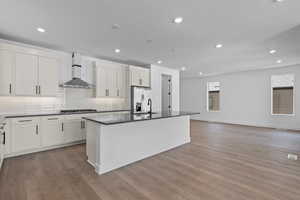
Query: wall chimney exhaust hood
x: 76, y: 81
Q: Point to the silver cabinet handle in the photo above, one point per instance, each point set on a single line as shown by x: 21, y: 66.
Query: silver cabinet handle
x: 4, y: 138
x: 27, y: 120
x: 37, y: 129
x: 52, y: 118
x: 118, y: 92
x: 9, y: 88
x: 36, y: 90
x: 82, y: 124
x: 39, y: 89
x: 62, y: 127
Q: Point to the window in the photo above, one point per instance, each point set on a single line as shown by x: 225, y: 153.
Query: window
x: 283, y: 94
x: 213, y: 93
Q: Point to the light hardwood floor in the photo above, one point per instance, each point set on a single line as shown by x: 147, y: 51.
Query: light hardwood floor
x: 227, y: 162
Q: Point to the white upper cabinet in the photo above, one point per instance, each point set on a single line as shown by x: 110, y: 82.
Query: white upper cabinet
x: 121, y: 83
x: 26, y: 74
x: 6, y: 72
x: 101, y: 88
x: 111, y: 80
x: 47, y: 76
x: 139, y: 76
x: 145, y: 77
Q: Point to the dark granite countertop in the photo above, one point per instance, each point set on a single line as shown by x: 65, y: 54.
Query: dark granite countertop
x: 125, y: 117
x: 40, y: 114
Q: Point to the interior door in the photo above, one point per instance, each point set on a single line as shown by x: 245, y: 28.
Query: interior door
x: 6, y: 70
x: 48, y: 76
x: 166, y: 101
x: 26, y: 74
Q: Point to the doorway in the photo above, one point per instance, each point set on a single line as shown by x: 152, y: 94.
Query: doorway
x: 166, y: 89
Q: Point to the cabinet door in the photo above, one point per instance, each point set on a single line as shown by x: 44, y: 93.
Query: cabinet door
x: 111, y: 81
x: 145, y: 77
x: 2, y: 149
x: 48, y: 76
x: 135, y: 76
x: 6, y: 71
x: 101, y: 86
x: 25, y: 134
x: 51, y: 129
x: 121, y: 83
x: 72, y: 130
x: 26, y: 75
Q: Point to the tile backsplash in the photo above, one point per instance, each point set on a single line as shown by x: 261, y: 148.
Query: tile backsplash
x: 66, y: 99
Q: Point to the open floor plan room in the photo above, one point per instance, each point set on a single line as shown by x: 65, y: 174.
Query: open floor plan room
x: 149, y: 100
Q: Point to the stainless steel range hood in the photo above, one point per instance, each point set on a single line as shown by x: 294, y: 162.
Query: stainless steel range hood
x: 76, y: 81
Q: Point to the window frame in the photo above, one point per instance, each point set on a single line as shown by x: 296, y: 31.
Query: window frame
x: 294, y: 89
x: 207, y: 97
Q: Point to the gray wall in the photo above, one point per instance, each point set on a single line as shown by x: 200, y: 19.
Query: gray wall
x: 245, y: 98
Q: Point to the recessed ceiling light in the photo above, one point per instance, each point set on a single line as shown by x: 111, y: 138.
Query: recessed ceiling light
x: 115, y: 26
x: 117, y: 50
x: 272, y: 51
x: 159, y: 62
x: 200, y: 73
x: 183, y: 68
x: 279, y: 61
x: 178, y: 20
x: 41, y: 30
x: 218, y: 46
x: 278, y: 1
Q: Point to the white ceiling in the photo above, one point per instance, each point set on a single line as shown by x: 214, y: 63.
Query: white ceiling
x: 248, y: 29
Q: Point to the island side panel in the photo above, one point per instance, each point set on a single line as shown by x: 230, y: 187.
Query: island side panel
x: 93, y: 143
x: 122, y: 144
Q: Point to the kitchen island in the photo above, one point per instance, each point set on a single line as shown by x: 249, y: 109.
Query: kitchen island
x: 118, y: 139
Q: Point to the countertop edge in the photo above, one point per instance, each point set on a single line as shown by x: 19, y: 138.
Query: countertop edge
x: 139, y: 120
x: 53, y: 114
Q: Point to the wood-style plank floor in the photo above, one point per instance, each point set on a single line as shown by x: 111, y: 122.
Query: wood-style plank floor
x: 227, y: 162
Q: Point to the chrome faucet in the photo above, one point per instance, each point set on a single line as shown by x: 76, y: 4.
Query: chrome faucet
x: 150, y: 104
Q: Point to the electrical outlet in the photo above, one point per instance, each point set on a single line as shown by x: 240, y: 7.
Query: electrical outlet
x: 292, y: 157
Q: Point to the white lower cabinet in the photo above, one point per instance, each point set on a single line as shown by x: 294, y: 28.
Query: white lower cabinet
x: 51, y: 128
x: 72, y: 129
x: 29, y: 134
x: 25, y: 134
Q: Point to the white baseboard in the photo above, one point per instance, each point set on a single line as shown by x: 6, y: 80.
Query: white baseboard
x: 246, y: 124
